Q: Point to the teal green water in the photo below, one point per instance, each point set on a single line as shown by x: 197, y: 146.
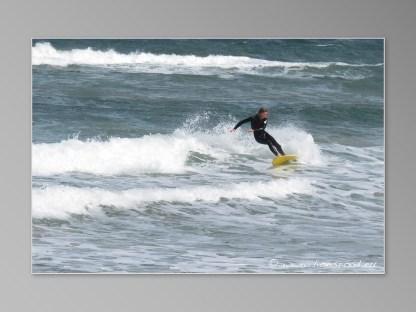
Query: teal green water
x: 134, y: 169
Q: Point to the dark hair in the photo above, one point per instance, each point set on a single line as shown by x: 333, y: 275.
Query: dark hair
x: 262, y: 110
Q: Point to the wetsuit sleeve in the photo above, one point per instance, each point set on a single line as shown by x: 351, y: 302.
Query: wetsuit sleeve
x: 242, y: 122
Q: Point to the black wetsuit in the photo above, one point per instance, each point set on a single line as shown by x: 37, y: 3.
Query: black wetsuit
x: 260, y: 135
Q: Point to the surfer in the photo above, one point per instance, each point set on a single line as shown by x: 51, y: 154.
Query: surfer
x: 258, y: 125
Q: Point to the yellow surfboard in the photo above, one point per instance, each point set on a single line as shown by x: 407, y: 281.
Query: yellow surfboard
x: 280, y: 160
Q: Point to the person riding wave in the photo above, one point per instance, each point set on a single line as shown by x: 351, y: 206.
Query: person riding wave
x: 258, y: 126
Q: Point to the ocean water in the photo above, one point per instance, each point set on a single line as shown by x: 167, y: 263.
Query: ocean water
x: 134, y: 168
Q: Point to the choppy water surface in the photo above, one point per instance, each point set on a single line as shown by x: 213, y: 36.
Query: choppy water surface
x: 134, y: 169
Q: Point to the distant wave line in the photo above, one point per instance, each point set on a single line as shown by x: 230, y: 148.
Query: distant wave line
x: 45, y: 54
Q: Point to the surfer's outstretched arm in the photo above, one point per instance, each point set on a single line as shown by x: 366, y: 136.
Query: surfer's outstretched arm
x: 241, y: 122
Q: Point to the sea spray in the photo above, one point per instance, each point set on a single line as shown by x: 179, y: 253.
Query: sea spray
x: 167, y: 153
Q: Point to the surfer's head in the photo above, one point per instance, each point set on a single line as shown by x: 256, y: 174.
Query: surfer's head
x: 263, y: 112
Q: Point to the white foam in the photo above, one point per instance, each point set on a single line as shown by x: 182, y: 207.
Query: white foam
x: 150, y: 154
x: 165, y: 154
x: 45, y: 53
x: 61, y: 201
x: 299, y: 142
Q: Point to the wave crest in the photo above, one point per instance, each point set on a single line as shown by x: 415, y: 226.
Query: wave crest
x: 45, y: 54
x: 165, y: 154
x: 62, y: 201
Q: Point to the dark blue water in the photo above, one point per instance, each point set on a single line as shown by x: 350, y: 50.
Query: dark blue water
x: 134, y: 169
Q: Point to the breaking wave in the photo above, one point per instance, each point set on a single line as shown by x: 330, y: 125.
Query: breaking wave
x: 62, y: 201
x: 163, y: 153
x: 45, y: 54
